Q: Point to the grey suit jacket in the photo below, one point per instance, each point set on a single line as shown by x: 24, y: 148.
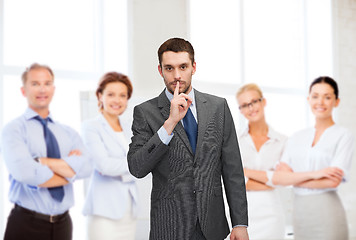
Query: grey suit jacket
x: 187, y: 188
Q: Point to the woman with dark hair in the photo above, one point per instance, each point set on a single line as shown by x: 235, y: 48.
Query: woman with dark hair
x: 111, y: 203
x: 326, y: 148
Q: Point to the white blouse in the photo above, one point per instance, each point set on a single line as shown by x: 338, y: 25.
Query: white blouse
x: 124, y: 144
x: 334, y: 149
x: 122, y: 139
x: 269, y: 154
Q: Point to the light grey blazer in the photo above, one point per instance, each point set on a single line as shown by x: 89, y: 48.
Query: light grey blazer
x: 111, y: 184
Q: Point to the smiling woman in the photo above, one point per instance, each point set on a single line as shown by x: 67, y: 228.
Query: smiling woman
x: 325, y: 152
x: 111, y: 203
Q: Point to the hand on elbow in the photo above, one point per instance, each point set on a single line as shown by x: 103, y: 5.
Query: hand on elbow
x: 332, y: 173
x: 75, y: 152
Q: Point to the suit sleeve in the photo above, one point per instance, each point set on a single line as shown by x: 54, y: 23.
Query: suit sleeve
x: 146, y: 148
x: 232, y: 172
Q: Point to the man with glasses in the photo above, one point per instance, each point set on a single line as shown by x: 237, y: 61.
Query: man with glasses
x: 43, y: 158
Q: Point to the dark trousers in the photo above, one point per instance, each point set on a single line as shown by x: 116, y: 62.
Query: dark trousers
x: 22, y: 225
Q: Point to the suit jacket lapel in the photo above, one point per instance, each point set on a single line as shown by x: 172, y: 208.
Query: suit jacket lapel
x: 202, y: 113
x: 164, y: 105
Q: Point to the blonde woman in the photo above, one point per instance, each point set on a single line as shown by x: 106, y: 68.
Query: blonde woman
x: 111, y: 204
x: 261, y: 148
x: 325, y: 149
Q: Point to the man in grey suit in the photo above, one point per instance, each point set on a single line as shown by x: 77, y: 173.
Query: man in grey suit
x: 187, y: 140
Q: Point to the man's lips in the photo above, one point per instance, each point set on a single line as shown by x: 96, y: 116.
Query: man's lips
x: 42, y: 97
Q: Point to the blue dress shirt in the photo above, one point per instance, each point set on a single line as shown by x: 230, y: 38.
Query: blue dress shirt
x: 21, y: 141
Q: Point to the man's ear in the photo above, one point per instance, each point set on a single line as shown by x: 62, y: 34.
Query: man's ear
x: 160, y: 70
x: 23, y: 91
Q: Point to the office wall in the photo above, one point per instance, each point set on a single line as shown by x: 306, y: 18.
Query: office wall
x: 151, y: 23
x: 344, y: 20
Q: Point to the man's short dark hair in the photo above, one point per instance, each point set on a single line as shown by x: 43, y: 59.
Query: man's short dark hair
x: 176, y: 45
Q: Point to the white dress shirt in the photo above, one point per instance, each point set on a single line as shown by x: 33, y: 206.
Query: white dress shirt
x: 269, y: 154
x: 266, y: 216
x: 334, y: 149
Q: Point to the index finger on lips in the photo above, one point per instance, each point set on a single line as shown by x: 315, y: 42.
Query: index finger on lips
x: 176, y: 90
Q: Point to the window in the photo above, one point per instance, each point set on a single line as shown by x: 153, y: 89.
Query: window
x: 281, y: 45
x: 79, y: 49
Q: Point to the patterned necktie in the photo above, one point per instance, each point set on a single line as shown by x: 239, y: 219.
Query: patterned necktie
x: 57, y: 193
x: 191, y: 128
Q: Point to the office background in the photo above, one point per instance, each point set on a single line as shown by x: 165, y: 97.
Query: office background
x: 282, y: 45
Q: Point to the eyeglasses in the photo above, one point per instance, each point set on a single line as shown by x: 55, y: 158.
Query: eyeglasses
x: 250, y: 104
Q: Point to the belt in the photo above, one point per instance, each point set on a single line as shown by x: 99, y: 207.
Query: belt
x: 47, y: 218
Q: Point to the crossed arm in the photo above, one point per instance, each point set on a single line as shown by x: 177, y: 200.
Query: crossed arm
x: 60, y: 168
x: 329, y: 177
x: 257, y: 180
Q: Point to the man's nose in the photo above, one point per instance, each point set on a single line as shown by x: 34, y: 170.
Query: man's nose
x: 42, y: 88
x: 177, y: 75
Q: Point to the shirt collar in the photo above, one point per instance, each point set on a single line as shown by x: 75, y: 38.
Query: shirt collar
x: 29, y: 114
x: 244, y: 131
x: 191, y: 94
x: 272, y: 134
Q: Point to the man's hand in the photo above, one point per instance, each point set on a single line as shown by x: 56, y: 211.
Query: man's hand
x: 239, y: 233
x: 179, y: 107
x: 75, y: 152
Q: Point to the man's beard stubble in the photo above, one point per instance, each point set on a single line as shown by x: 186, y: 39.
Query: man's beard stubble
x: 171, y: 89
